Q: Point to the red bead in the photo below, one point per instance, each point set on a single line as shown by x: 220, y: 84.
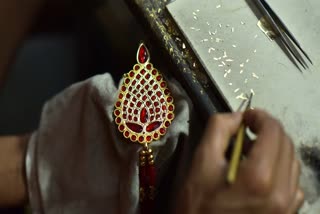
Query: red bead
x: 120, y: 96
x: 169, y: 99
x: 138, y: 87
x: 141, y: 139
x: 143, y: 82
x: 159, y: 77
x: 151, y: 82
x: 151, y: 111
x: 164, y: 107
x: 170, y: 116
x: 158, y: 116
x: 133, y: 138
x: 135, y: 119
x: 149, y: 93
x: 162, y: 130
x: 143, y: 176
x: 143, y: 71
x: 142, y: 91
x: 154, y: 71
x: 146, y: 87
x: 134, y: 82
x: 126, y: 133
x: 124, y: 116
x: 138, y: 95
x: 148, y: 138
x: 127, y: 81
x: 144, y: 98
x: 162, y: 100
x: 118, y: 104
x: 138, y: 76
x: 147, y: 76
x: 163, y: 84
x: 117, y: 112
x: 166, y: 92
x: 131, y: 74
x: 137, y: 67
x: 123, y: 88
x: 153, y: 97
x: 118, y: 120
x: 167, y: 124
x: 128, y: 96
x: 135, y: 111
x: 152, y: 118
x: 130, y: 110
x: 149, y: 66
x: 143, y: 54
x: 155, y: 87
x: 156, y: 135
x: 153, y: 126
x: 121, y: 128
x: 151, y: 174
x: 157, y: 110
x: 125, y: 102
x: 134, y: 99
x: 156, y: 104
x: 159, y: 93
x: 143, y: 115
x: 171, y: 108
x: 139, y: 104
x: 130, y: 117
x: 134, y: 127
x: 148, y: 103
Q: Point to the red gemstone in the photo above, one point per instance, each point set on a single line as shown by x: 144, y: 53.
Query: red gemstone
x: 153, y: 97
x: 126, y: 133
x: 118, y: 104
x: 169, y: 99
x: 130, y: 110
x: 123, y: 88
x: 146, y: 87
x: 162, y: 100
x: 134, y: 82
x: 127, y: 81
x: 153, y: 126
x: 139, y: 104
x: 156, y: 135
x: 142, y: 71
x: 163, y: 84
x: 167, y: 124
x: 135, y: 119
x: 142, y: 91
x: 128, y: 96
x: 133, y: 138
x: 143, y: 115
x: 131, y: 74
x: 144, y: 98
x: 135, y: 111
x: 155, y: 87
x: 162, y: 130
x: 166, y: 92
x: 125, y: 102
x: 149, y: 66
x: 118, y: 120
x: 157, y: 110
x: 148, y: 103
x: 164, y: 107
x: 151, y: 111
x: 151, y: 82
x: 134, y: 99
x: 138, y: 76
x: 154, y: 71
x: 130, y: 117
x: 159, y: 93
x: 139, y: 95
x: 147, y: 76
x: 134, y: 127
x: 137, y: 67
x: 149, y: 93
x: 143, y: 82
x: 138, y: 87
x: 120, y: 96
x: 158, y: 116
x: 159, y: 77
x: 121, y: 127
x: 143, y: 54
x: 117, y: 112
x: 141, y: 139
x: 156, y: 104
x: 148, y: 138
x: 151, y: 118
x: 170, y: 116
x: 124, y: 116
x: 151, y: 175
x: 171, y: 108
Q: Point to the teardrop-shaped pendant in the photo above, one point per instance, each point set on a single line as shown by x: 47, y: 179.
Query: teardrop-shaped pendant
x: 143, y: 112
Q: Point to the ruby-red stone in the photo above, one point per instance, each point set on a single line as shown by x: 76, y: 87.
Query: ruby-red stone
x: 138, y: 76
x: 154, y: 71
x: 167, y: 124
x: 127, y: 81
x: 117, y: 112
x: 141, y: 139
x: 163, y: 84
x: 142, y: 91
x: 137, y: 67
x: 143, y: 82
x: 134, y: 99
x: 148, y: 103
x: 118, y: 104
x: 126, y: 133
x: 125, y: 102
x: 124, y: 109
x: 130, y: 110
x: 158, y: 116
x: 133, y: 138
x: 164, y: 107
x: 156, y: 104
x: 143, y: 54
x: 138, y: 87
x: 148, y: 138
x: 149, y: 67
x: 134, y: 127
x: 143, y: 71
x: 130, y: 117
x: 151, y: 118
x: 135, y: 119
x: 170, y: 116
x: 123, y: 88
x: 153, y: 97
x: 155, y: 87
x: 159, y: 93
x: 171, y: 108
x: 151, y: 82
x: 139, y: 95
x: 124, y: 116
x: 120, y: 96
x: 135, y: 111
x: 166, y: 92
x: 151, y: 111
x: 118, y: 120
x: 149, y: 93
x: 169, y: 99
x: 139, y: 104
x: 131, y: 74
x: 157, y: 110
x: 146, y: 87
x: 121, y: 127
x: 162, y: 130
x: 162, y: 100
x: 147, y: 76
x: 128, y: 96
x: 144, y: 98
x: 156, y: 135
x: 164, y: 115
x: 159, y: 77
x: 134, y: 82
x: 143, y: 115
x: 153, y: 126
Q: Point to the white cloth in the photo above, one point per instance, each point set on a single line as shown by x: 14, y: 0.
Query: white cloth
x: 77, y: 162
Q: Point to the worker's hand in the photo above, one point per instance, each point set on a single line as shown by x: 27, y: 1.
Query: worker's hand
x: 267, y: 181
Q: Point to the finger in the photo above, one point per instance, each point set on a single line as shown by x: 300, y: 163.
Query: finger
x: 298, y: 202
x: 263, y: 156
x: 294, y: 184
x: 219, y: 131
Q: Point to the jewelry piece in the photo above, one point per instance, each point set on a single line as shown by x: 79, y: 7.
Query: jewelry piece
x: 143, y: 112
